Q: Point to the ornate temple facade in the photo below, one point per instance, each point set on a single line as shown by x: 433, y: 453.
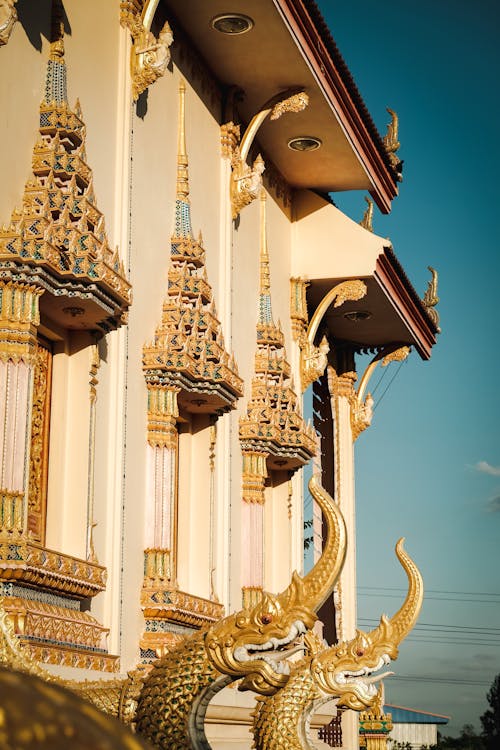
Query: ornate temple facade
x: 173, y: 280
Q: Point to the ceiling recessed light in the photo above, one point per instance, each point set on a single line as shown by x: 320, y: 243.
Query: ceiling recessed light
x: 356, y: 316
x: 231, y: 23
x: 304, y: 143
x: 75, y: 312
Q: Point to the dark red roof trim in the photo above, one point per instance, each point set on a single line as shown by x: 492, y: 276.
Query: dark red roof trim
x: 341, y: 65
x: 391, y: 276
x: 305, y: 18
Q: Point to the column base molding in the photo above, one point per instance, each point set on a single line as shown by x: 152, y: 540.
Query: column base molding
x: 170, y: 616
x: 31, y: 563
x: 71, y: 656
x: 55, y: 634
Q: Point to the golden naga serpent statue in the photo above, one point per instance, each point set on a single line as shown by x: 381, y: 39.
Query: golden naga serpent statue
x: 344, y: 672
x: 250, y: 644
x: 169, y: 705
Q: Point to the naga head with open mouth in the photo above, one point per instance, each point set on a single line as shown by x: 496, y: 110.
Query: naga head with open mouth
x: 254, y: 643
x: 349, y: 670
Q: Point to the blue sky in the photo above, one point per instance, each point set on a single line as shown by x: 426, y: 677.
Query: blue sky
x: 429, y: 466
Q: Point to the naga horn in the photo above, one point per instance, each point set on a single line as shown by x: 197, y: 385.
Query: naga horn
x: 355, y: 660
x: 318, y: 584
x: 398, y: 627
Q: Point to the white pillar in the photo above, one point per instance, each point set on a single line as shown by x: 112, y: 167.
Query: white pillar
x: 341, y: 389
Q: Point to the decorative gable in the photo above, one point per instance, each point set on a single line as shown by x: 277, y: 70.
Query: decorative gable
x: 58, y: 236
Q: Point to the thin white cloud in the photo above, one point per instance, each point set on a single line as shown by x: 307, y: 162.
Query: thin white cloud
x: 485, y: 468
x: 494, y: 505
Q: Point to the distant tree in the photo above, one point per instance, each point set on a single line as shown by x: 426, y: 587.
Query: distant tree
x: 468, y: 740
x: 491, y: 718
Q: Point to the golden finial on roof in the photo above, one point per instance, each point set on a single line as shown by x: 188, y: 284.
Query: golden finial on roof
x: 431, y: 296
x: 182, y: 160
x: 431, y: 299
x: 367, y: 220
x: 391, y: 139
x: 392, y: 144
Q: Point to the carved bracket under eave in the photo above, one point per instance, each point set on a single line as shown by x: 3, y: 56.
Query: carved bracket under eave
x: 246, y: 180
x: 313, y: 359
x: 8, y: 17
x: 361, y: 405
x: 149, y: 56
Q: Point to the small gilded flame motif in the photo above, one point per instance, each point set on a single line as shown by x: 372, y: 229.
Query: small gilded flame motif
x: 295, y: 103
x: 392, y: 144
x: 391, y: 141
x: 398, y: 355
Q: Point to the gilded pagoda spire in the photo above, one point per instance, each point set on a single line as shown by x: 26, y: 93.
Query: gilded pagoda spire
x: 273, y: 423
x: 273, y: 434
x: 187, y: 369
x: 56, y: 82
x: 270, y: 359
x: 182, y: 206
x: 182, y: 159
x: 188, y: 346
x: 183, y: 228
x: 265, y: 311
x: 59, y: 233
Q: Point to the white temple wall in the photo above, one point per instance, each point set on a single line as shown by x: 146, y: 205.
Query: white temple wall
x: 194, y: 508
x: 277, y: 535
x: 133, y: 160
x: 94, y: 39
x: 21, y: 87
x: 69, y: 446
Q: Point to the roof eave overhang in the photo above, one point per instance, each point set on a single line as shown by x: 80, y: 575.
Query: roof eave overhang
x: 329, y: 248
x: 312, y: 46
x: 392, y: 279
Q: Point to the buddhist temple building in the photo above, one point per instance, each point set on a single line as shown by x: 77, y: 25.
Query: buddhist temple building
x: 176, y: 286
